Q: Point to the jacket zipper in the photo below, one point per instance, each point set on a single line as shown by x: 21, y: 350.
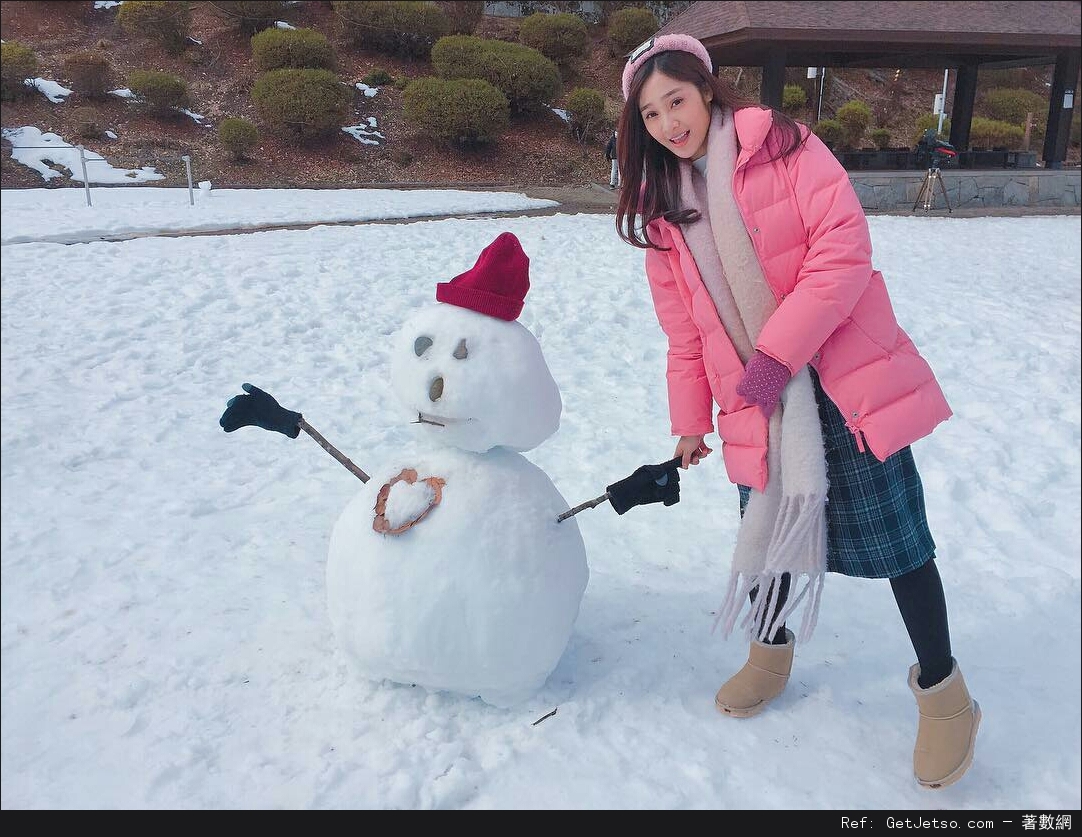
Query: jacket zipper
x: 850, y: 423
x: 857, y: 434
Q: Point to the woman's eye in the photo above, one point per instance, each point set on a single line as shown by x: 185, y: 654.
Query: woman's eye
x: 676, y: 102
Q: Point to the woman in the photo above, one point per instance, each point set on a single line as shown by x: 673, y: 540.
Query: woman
x: 759, y: 261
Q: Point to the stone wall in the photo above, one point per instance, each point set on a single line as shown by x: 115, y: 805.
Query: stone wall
x: 888, y: 191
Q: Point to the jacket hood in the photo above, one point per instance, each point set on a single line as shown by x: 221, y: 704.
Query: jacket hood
x: 753, y: 124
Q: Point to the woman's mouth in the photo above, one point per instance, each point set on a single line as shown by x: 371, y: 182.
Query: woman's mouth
x: 680, y: 139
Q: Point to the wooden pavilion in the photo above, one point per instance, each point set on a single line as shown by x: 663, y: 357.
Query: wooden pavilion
x: 962, y: 36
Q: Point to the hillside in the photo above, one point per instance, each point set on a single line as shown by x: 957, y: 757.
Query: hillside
x: 219, y: 72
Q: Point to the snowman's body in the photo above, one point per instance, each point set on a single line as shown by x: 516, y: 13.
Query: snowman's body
x: 479, y: 597
x: 480, y: 593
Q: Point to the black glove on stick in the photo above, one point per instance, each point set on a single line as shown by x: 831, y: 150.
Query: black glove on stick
x: 259, y: 409
x: 648, y: 484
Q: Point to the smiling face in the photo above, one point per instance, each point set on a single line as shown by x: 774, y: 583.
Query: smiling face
x: 676, y: 114
x: 475, y: 382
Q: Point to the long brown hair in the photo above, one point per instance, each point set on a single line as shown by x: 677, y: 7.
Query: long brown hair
x: 641, y: 156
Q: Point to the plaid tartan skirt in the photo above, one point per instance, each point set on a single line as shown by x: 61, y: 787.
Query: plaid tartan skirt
x: 876, y: 524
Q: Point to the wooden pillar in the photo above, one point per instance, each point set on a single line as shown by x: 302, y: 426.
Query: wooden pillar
x: 1061, y: 107
x: 965, y: 94
x: 773, y: 83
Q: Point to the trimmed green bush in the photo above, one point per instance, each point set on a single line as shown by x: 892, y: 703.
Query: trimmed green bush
x: 854, y: 117
x: 378, y: 78
x: 630, y: 27
x: 1009, y: 105
x: 250, y: 16
x: 881, y: 138
x: 994, y: 133
x: 526, y: 77
x: 830, y: 131
x: 462, y: 15
x: 561, y: 38
x: 461, y: 112
x: 165, y: 22
x: 162, y: 92
x: 88, y: 123
x: 396, y: 28
x: 294, y: 49
x: 793, y: 98
x: 586, y: 107
x: 302, y: 105
x: 90, y: 74
x: 931, y: 120
x: 238, y: 136
x: 17, y: 64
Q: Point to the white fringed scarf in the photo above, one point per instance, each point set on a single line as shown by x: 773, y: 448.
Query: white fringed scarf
x: 784, y: 527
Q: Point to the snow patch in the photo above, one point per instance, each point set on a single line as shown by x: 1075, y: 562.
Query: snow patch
x: 36, y: 150
x: 49, y: 89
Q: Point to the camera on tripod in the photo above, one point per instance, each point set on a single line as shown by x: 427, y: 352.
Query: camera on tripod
x: 933, y: 151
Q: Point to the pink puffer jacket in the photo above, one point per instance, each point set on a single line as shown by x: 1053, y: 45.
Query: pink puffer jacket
x: 812, y: 239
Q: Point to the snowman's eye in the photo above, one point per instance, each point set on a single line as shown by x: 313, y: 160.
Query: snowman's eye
x: 460, y: 350
x: 421, y: 345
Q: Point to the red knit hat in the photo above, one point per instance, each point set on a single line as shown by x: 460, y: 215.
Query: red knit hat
x: 496, y: 285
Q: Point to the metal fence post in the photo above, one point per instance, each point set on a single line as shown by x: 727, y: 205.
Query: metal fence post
x: 82, y: 163
x: 188, y: 167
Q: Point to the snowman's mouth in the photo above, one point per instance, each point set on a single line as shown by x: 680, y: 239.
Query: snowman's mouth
x: 422, y: 420
x: 439, y: 421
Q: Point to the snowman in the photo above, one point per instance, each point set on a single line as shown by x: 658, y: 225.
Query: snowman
x: 458, y: 566
x: 449, y: 569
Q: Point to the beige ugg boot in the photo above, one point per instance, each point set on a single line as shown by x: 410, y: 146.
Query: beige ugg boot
x: 947, y: 730
x: 762, y: 679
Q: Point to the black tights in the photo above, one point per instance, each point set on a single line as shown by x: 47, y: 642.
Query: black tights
x: 919, y: 594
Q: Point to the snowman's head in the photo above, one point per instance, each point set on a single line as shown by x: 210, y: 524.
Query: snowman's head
x: 467, y: 370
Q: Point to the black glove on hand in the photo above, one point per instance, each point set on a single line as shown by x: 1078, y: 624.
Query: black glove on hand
x: 649, y: 484
x: 261, y: 410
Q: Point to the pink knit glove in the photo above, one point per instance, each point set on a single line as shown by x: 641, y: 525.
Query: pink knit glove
x: 764, y: 379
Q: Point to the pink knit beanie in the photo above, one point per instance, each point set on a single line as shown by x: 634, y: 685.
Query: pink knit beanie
x: 663, y: 43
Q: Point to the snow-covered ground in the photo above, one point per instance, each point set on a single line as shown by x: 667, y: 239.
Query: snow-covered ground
x: 165, y: 639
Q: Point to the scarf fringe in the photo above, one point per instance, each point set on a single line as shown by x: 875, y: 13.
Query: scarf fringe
x: 800, y: 534
x: 754, y: 625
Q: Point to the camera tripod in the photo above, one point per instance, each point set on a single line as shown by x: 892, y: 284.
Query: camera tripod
x: 927, y: 189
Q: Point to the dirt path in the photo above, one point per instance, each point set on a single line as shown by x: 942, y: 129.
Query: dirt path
x: 592, y: 199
